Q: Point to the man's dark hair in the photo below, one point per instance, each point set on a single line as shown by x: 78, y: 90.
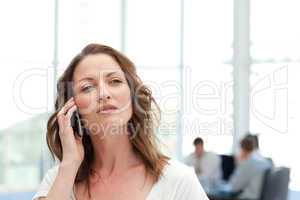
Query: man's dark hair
x: 255, y: 140
x: 247, y: 144
x: 197, y: 141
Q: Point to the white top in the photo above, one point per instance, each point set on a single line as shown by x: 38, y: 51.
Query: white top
x: 178, y: 182
x: 207, y: 168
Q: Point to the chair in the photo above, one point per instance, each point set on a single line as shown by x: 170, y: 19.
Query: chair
x: 274, y: 187
x: 228, y: 165
x: 276, y: 184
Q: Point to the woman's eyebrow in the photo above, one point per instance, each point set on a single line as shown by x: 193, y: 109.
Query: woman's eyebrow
x: 91, y: 78
x: 112, y: 73
x: 86, y: 79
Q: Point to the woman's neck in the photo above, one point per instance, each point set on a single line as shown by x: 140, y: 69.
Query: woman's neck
x: 114, y: 154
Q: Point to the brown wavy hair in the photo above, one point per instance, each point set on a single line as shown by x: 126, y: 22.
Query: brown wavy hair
x: 141, y: 126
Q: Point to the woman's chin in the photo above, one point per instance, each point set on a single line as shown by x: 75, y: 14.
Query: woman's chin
x: 112, y: 126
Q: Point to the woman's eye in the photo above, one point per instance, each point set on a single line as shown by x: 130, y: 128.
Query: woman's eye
x: 86, y: 88
x: 115, y: 81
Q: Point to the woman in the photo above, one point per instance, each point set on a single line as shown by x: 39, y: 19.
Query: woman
x: 117, y: 156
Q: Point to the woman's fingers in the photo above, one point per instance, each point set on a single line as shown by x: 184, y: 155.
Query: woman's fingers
x: 78, y: 139
x: 73, y: 149
x: 64, y: 115
x: 66, y: 107
x: 69, y: 115
x: 71, y: 111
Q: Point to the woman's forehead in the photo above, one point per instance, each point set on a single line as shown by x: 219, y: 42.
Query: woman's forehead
x: 98, y: 65
x: 98, y: 59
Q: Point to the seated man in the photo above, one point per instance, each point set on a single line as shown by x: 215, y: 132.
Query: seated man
x: 247, y: 179
x: 207, y: 165
x: 256, y: 151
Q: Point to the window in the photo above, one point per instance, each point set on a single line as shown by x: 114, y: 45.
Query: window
x: 26, y: 56
x: 153, y: 43
x: 166, y: 91
x: 153, y: 33
x: 81, y: 22
x: 274, y: 81
x: 208, y: 74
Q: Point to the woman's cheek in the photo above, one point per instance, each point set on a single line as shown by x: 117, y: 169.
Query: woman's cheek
x: 82, y: 102
x: 124, y: 101
x: 85, y: 104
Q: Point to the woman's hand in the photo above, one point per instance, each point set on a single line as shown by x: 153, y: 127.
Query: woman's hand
x: 73, y: 151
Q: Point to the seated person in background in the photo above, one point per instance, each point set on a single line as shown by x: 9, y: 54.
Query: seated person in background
x: 247, y: 179
x: 256, y: 151
x: 254, y: 138
x: 207, y: 165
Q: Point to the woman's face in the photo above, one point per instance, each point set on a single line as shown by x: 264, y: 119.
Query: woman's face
x: 102, y: 93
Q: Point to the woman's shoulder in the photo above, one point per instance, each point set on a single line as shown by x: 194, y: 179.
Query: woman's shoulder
x: 178, y: 181
x: 175, y: 172
x: 174, y: 168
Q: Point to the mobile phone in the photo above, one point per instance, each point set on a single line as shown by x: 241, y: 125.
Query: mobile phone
x: 76, y: 122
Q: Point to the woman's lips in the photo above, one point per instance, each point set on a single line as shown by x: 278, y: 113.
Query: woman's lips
x: 107, y: 109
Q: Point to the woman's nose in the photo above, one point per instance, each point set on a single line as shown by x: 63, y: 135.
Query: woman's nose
x: 104, y: 93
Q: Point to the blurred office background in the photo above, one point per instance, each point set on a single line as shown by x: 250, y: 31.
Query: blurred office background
x: 218, y: 69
